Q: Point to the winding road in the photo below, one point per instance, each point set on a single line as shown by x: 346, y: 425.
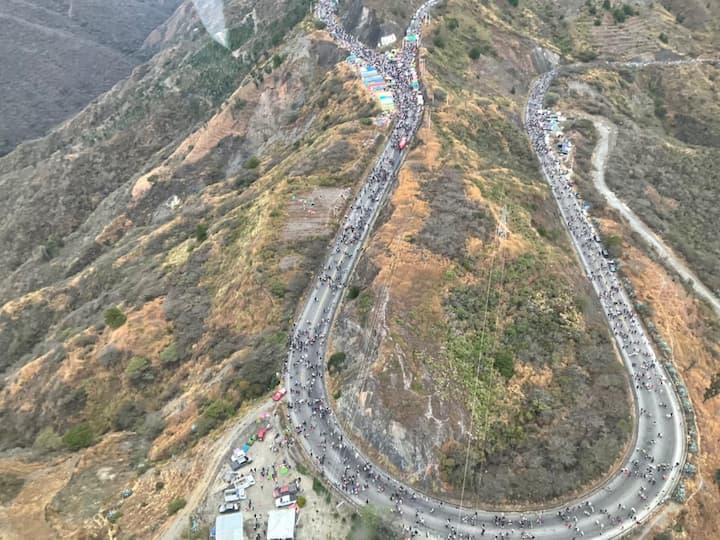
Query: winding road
x: 607, y: 133
x: 628, y: 498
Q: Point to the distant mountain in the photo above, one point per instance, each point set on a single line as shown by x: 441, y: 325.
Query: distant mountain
x: 57, y: 55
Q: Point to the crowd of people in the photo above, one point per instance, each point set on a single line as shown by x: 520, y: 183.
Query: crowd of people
x: 315, y: 424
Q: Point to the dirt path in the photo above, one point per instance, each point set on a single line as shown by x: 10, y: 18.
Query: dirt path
x: 607, y: 132
x: 175, y: 527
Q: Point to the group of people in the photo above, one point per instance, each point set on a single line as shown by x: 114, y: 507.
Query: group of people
x: 315, y: 424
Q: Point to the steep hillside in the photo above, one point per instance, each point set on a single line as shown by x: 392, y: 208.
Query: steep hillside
x: 486, y: 356
x: 57, y: 55
x: 159, y: 302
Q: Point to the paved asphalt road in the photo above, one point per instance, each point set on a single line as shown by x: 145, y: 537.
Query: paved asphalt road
x: 644, y: 482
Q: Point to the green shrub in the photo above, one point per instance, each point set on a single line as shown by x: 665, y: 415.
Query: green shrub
x: 78, y: 437
x: 514, y: 3
x: 169, y: 355
x: 114, y: 318
x: 138, y: 370
x: 505, y: 364
x: 277, y: 60
x: 176, y: 505
x: 606, y: 5
x: 301, y: 501
x: 353, y: 292
x: 336, y: 361
x: 318, y: 487
x: 201, y: 232
x: 474, y: 53
x: 663, y: 37
x: 278, y: 288
x: 252, y: 163
x: 319, y: 25
x: 47, y: 439
x: 586, y: 55
x: 439, y: 42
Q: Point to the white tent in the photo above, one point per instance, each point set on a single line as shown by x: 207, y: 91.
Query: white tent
x: 281, y: 525
x: 229, y: 526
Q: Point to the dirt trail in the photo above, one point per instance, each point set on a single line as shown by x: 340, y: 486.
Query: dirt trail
x: 175, y: 527
x: 607, y: 132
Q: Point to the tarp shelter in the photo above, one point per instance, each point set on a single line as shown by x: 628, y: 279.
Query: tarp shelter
x: 281, y: 525
x: 229, y: 526
x: 411, y: 37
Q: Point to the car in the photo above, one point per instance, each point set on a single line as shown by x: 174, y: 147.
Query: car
x: 262, y: 432
x: 279, y: 394
x: 596, y: 238
x: 290, y: 489
x: 228, y: 508
x: 285, y: 500
x: 239, y: 461
x: 252, y: 440
x: 605, y: 253
x: 245, y: 482
x: 232, y: 495
x: 403, y: 143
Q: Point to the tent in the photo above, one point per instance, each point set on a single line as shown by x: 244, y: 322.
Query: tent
x: 281, y: 525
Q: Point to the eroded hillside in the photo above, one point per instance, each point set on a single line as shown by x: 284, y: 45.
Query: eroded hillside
x: 175, y: 222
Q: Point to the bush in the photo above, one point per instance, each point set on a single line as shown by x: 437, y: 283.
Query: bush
x: 301, y: 501
x: 319, y: 25
x: 114, y: 318
x: 169, y: 355
x: 277, y: 60
x: 439, y: 42
x: 474, y: 53
x: 336, y: 361
x: 505, y: 364
x: 152, y: 426
x: 514, y: 3
x: 606, y: 5
x: 278, y: 289
x: 619, y: 15
x: 353, y: 292
x: 201, y: 232
x: 663, y: 37
x: 252, y: 163
x: 176, y: 505
x: 128, y: 415
x: 47, y: 439
x: 78, y: 437
x: 10, y: 486
x: 138, y: 370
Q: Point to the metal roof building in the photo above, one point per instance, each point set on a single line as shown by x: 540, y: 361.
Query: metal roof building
x: 281, y: 525
x: 229, y: 526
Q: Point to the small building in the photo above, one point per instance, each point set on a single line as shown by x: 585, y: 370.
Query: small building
x: 281, y: 525
x: 229, y: 526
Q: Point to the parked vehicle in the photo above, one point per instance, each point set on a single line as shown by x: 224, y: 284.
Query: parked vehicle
x: 403, y: 143
x: 245, y: 482
x: 233, y: 495
x: 228, y: 508
x: 285, y: 500
x: 240, y: 461
x: 290, y: 489
x: 279, y: 394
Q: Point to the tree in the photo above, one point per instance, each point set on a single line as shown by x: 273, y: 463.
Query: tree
x: 606, y: 5
x: 114, y: 318
x: 78, y: 437
x: 474, y: 53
